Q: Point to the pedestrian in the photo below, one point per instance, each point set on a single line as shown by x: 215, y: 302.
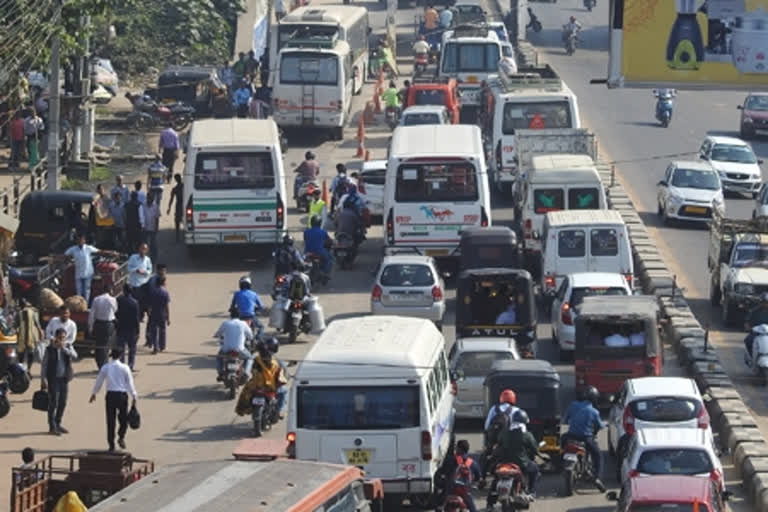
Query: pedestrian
x: 82, y: 255
x: 119, y: 386
x: 28, y: 333
x: 139, y: 271
x: 264, y: 67
x: 156, y: 176
x: 177, y: 195
x: 63, y: 321
x: 119, y: 188
x: 101, y: 322
x: 161, y: 270
x: 134, y: 222
x: 225, y: 75
x: 55, y: 374
x: 258, y: 108
x: 280, y: 12
x: 241, y: 98
x: 104, y: 223
x: 251, y: 65
x: 140, y: 194
x: 238, y: 70
x: 16, y: 131
x: 33, y: 125
x: 151, y: 224
x: 159, y: 316
x: 128, y: 319
x: 117, y: 212
x: 168, y: 147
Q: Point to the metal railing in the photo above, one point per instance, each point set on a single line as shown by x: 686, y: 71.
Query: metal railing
x: 34, y: 179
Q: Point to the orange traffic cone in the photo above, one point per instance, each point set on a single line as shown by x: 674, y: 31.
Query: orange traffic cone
x: 324, y: 193
x: 367, y: 155
x: 360, y: 138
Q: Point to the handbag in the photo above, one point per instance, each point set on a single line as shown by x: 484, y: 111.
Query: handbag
x: 40, y: 400
x: 134, y: 418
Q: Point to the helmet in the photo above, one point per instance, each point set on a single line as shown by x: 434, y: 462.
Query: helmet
x: 508, y: 397
x: 288, y: 240
x: 520, y: 416
x: 245, y: 282
x: 573, y: 18
x: 272, y: 344
x: 592, y: 394
x: 341, y: 168
x: 309, y: 155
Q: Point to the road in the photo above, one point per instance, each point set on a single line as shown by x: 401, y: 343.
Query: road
x: 185, y: 416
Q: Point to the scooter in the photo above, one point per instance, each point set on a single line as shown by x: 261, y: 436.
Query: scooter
x: 306, y: 189
x: 233, y: 375
x: 277, y: 285
x: 392, y: 117
x: 420, y: 62
x: 571, y: 40
x: 345, y: 250
x: 297, y: 320
x: 664, y: 105
x: 509, y: 487
x: 577, y: 465
x: 265, y: 413
x: 316, y: 274
x: 590, y: 4
x: 758, y: 361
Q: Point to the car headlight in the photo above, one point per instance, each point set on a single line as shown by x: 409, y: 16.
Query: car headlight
x: 747, y: 119
x: 744, y: 289
x: 722, y: 174
x: 675, y: 198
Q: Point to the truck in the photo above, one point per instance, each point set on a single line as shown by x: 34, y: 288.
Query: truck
x: 738, y: 264
x: 534, y: 98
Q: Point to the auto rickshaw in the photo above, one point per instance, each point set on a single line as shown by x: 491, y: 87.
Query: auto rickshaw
x: 537, y: 386
x: 197, y: 86
x: 489, y: 247
x: 617, y: 338
x: 495, y: 303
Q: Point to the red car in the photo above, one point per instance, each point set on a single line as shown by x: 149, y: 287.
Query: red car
x: 754, y: 114
x: 671, y: 493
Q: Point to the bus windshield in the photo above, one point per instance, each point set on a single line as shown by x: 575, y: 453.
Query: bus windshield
x: 309, y: 68
x: 536, y: 115
x: 420, y: 182
x: 471, y: 57
x: 288, y: 31
x: 357, y: 408
x: 228, y: 171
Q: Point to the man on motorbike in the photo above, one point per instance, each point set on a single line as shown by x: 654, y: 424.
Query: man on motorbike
x: 316, y: 240
x: 499, y: 419
x: 282, y: 382
x: 287, y: 257
x: 233, y: 334
x: 391, y: 98
x: 317, y: 206
x: 573, y: 26
x: 756, y: 317
x: 353, y: 200
x: 349, y: 223
x: 266, y: 376
x: 465, y: 471
x: 247, y: 302
x: 307, y: 170
x: 584, y: 422
x: 519, y: 447
x: 421, y: 47
x: 339, y: 186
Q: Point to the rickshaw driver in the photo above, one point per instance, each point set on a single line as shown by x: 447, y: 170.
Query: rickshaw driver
x: 509, y: 315
x: 757, y: 316
x: 584, y: 422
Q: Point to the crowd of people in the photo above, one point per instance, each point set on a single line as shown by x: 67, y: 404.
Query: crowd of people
x: 26, y: 129
x: 247, y: 80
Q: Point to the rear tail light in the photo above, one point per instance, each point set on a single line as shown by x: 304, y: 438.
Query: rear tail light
x: 10, y: 352
x: 190, y: 216
x: 549, y: 281
x: 565, y: 314
x: 390, y: 228
x: 437, y: 294
x: 310, y: 190
x: 426, y: 445
x: 376, y: 293
x: 716, y: 476
x: 483, y: 218
x: 703, y: 418
x: 291, y: 438
x: 628, y: 421
x: 628, y: 277
x: 633, y: 473
x: 454, y: 388
x: 528, y: 228
x: 361, y: 185
x: 280, y: 221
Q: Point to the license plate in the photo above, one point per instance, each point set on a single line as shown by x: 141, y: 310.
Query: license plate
x: 234, y: 238
x: 504, y: 486
x: 550, y: 442
x: 258, y: 400
x: 695, y: 209
x: 358, y: 457
x: 436, y: 252
x: 571, y: 457
x: 232, y: 366
x: 80, y: 336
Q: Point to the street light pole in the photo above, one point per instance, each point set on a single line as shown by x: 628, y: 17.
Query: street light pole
x: 54, y: 108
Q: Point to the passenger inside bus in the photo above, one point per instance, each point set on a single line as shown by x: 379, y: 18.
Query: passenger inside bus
x: 630, y: 334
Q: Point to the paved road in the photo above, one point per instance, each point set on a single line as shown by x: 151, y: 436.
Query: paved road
x: 185, y: 414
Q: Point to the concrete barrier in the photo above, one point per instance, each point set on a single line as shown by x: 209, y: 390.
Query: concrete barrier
x: 757, y: 487
x: 752, y: 449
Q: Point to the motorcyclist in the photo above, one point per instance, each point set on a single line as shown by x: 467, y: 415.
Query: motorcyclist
x: 233, y: 334
x: 492, y: 429
x: 519, y: 447
x: 349, y: 223
x: 757, y: 316
x: 465, y: 471
x: 391, y: 98
x: 307, y: 170
x: 141, y: 102
x: 287, y: 257
x: 421, y: 47
x: 293, y: 292
x: 572, y: 27
x: 316, y: 241
x: 584, y: 422
x: 353, y: 200
x: 266, y: 376
x: 273, y: 345
x: 247, y: 302
x: 317, y: 206
x: 339, y: 186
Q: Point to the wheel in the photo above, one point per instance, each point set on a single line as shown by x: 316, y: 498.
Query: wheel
x: 665, y: 122
x: 570, y: 481
x: 181, y: 122
x: 143, y: 123
x: 714, y: 293
x: 293, y: 333
x: 665, y: 218
x: 659, y: 209
x: 232, y: 390
x: 555, y: 341
x: 257, y: 421
x: 19, y: 383
x: 745, y: 134
x: 5, y: 406
x: 730, y: 312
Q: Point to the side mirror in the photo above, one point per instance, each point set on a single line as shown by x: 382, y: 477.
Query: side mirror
x: 739, y: 107
x: 662, y: 183
x: 612, y: 496
x: 703, y: 156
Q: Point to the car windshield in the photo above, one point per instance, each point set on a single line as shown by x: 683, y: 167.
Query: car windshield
x: 234, y: 171
x: 733, y: 153
x: 747, y: 254
x: 478, y: 364
x: 578, y: 294
x: 357, y: 408
x: 429, y: 97
x: 675, y: 461
x: 421, y: 118
x: 686, y: 178
x: 407, y: 275
x: 665, y: 409
x: 756, y: 103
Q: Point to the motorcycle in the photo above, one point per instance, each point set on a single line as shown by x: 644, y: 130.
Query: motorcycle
x: 264, y: 413
x: 758, y: 361
x: 577, y: 465
x: 180, y: 115
x: 392, y: 117
x: 233, y: 375
x: 306, y: 189
x: 277, y: 285
x: 509, y: 489
x: 570, y: 39
x: 297, y: 320
x: 590, y: 4
x: 316, y: 274
x: 664, y: 105
x: 345, y: 250
x: 454, y: 503
x: 12, y: 372
x: 420, y: 63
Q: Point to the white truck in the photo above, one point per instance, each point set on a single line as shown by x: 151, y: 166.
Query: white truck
x: 738, y: 263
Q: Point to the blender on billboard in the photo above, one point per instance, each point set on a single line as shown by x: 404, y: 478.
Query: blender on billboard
x: 689, y: 43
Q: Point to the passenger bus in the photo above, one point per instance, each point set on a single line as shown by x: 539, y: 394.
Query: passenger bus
x: 348, y: 23
x: 314, y: 83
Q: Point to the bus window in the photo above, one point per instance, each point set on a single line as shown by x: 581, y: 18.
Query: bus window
x: 309, y: 68
x: 436, y: 182
x: 545, y: 114
x: 227, y: 171
x: 358, y: 408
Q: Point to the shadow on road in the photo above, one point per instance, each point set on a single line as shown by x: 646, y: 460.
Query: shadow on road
x: 226, y: 432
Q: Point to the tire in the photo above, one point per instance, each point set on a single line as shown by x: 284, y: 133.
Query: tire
x: 257, y: 421
x: 714, y: 293
x: 659, y: 210
x: 337, y: 133
x: 555, y: 341
x: 745, y: 134
x: 5, y: 406
x: 232, y: 390
x: 665, y: 218
x: 570, y: 481
x: 729, y: 312
x: 19, y: 383
x: 293, y: 333
x: 181, y: 122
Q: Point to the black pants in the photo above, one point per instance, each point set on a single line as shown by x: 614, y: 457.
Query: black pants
x: 103, y: 332
x: 117, y: 403
x: 134, y: 239
x: 58, y: 389
x: 169, y: 159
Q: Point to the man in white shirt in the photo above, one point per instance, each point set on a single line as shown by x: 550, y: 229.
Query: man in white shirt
x: 139, y: 273
x: 233, y: 333
x: 81, y: 254
x: 119, y: 385
x: 151, y: 224
x: 63, y: 321
x: 420, y: 47
x: 617, y: 340
x: 101, y: 323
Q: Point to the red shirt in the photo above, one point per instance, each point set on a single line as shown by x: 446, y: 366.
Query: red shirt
x: 17, y: 129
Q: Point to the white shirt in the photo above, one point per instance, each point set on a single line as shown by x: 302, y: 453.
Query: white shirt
x: 82, y: 258
x: 103, y: 308
x: 616, y: 340
x: 55, y: 324
x: 234, y: 332
x: 637, y: 339
x: 504, y: 409
x: 420, y: 47
x: 118, y: 376
x: 151, y: 214
x: 137, y: 262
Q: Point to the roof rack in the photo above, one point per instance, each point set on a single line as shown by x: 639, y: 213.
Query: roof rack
x: 471, y: 30
x: 310, y: 39
x: 542, y: 77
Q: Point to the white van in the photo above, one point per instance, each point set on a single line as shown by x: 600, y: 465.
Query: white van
x: 584, y: 241
x: 234, y: 183
x: 557, y: 182
x: 436, y: 186
x: 375, y: 392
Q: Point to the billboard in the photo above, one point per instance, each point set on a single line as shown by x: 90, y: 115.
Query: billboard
x: 708, y: 44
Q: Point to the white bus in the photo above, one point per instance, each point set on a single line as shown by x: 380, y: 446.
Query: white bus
x: 348, y: 23
x: 314, y: 83
x: 234, y: 183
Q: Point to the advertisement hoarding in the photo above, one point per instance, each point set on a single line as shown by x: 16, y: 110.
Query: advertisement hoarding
x: 707, y: 44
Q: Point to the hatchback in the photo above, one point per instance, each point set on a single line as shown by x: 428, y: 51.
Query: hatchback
x: 669, y: 493
x: 690, y: 191
x: 754, y: 115
x: 409, y: 285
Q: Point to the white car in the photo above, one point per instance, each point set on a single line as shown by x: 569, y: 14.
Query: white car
x: 735, y: 162
x: 372, y: 176
x: 409, y: 285
x: 654, y: 402
x: 673, y: 451
x: 690, y: 191
x: 571, y: 293
x: 425, y: 114
x: 472, y: 360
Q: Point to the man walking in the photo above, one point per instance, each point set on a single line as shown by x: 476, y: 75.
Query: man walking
x: 151, y: 224
x: 117, y: 212
x: 119, y: 386
x: 128, y: 319
x: 177, y: 195
x: 55, y: 374
x: 169, y: 148
x: 159, y: 316
x: 139, y: 268
x: 101, y: 322
x: 63, y: 321
x: 28, y: 333
x: 16, y: 130
x: 134, y: 222
x: 81, y: 254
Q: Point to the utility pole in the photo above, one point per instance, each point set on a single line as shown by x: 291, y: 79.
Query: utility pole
x: 88, y: 127
x: 54, y: 110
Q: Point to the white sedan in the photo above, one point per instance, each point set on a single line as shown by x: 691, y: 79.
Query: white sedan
x: 690, y: 191
x: 425, y: 114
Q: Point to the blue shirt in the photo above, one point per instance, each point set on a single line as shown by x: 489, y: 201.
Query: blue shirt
x: 446, y: 17
x: 137, y: 262
x: 247, y: 302
x: 158, y: 304
x: 583, y: 419
x: 82, y: 257
x: 233, y: 333
x: 241, y: 96
x: 314, y: 240
x: 505, y: 408
x: 508, y: 317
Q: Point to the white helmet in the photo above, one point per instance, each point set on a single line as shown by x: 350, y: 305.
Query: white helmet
x: 760, y: 329
x: 246, y: 280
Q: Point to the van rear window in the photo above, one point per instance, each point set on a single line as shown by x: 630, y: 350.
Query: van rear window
x: 670, y: 507
x: 604, y: 242
x: 571, y: 243
x: 357, y: 408
x: 228, y: 171
x: 454, y: 181
x: 583, y: 199
x: 548, y: 200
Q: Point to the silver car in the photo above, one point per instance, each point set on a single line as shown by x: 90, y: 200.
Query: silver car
x: 409, y: 285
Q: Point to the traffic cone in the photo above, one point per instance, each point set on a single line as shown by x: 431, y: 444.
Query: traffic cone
x: 324, y: 193
x: 360, y: 138
x: 367, y: 155
x: 378, y: 90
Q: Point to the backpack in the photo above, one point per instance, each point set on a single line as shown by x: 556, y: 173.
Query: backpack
x: 500, y: 423
x: 463, y: 475
x: 284, y: 256
x: 297, y: 290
